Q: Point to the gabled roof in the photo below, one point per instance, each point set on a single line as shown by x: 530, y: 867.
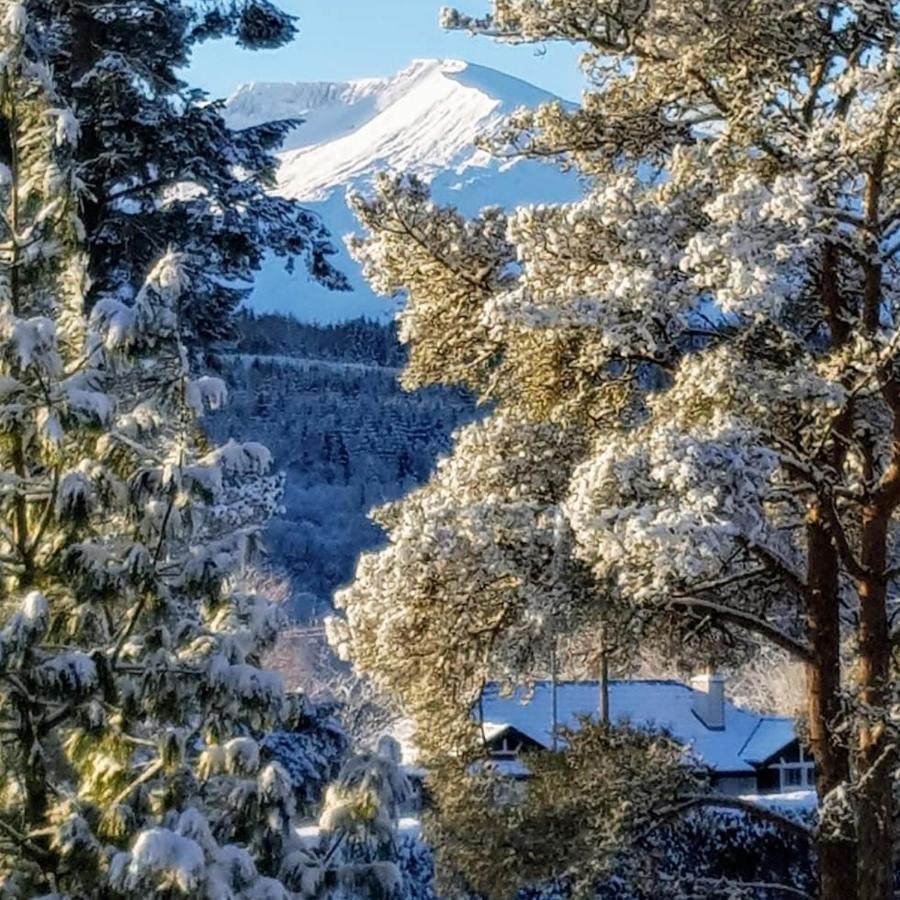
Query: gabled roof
x: 494, y: 731
x: 662, y: 704
x: 769, y: 737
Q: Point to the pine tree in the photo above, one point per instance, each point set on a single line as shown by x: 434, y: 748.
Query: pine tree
x: 708, y: 343
x: 160, y: 167
x: 130, y: 684
x: 342, y: 458
x: 358, y: 826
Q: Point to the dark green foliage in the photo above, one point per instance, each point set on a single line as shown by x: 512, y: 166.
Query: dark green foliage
x: 311, y: 748
x: 256, y: 24
x: 708, y: 855
x: 416, y: 863
x: 161, y: 169
x: 721, y: 855
x: 359, y: 340
x: 583, y: 815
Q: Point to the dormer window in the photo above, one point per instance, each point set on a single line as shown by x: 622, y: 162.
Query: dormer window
x: 507, y: 748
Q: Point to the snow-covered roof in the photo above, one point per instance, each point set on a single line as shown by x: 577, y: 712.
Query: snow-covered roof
x: 667, y: 705
x: 771, y: 735
x: 491, y: 731
x: 802, y: 801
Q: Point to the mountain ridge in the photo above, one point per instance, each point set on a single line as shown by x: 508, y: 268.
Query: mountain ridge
x: 422, y: 120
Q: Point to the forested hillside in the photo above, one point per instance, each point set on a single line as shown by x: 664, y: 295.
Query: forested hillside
x: 357, y: 340
x: 326, y: 402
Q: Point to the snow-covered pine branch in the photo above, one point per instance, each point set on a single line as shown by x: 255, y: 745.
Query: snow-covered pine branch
x: 697, y: 362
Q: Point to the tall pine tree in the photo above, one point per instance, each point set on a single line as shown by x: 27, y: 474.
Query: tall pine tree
x: 694, y: 371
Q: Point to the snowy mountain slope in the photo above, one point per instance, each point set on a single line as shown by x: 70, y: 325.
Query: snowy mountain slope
x: 423, y: 120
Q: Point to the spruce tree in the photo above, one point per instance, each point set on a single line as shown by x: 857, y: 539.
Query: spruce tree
x: 160, y: 167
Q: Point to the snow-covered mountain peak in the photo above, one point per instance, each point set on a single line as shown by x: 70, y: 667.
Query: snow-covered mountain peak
x: 423, y: 120
x: 260, y: 101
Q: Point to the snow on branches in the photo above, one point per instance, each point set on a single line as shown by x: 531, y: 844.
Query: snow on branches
x: 130, y: 676
x: 713, y: 330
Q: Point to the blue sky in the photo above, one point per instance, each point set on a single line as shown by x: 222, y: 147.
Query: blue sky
x: 344, y: 39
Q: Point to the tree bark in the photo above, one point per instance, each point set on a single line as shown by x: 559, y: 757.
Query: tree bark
x: 876, y: 754
x: 836, y: 853
x: 83, y: 55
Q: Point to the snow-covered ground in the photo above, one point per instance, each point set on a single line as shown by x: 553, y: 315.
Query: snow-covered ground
x: 408, y: 826
x: 423, y: 120
x: 789, y: 801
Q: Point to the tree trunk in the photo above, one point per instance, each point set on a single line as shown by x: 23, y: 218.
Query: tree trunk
x: 83, y: 56
x: 876, y: 754
x: 27, y: 743
x: 554, y: 714
x: 836, y: 853
x: 35, y: 774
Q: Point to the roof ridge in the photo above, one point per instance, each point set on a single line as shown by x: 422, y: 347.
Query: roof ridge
x: 595, y: 681
x: 756, y: 727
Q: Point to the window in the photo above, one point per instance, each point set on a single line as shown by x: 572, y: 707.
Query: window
x: 506, y: 749
x: 792, y: 754
x: 796, y: 770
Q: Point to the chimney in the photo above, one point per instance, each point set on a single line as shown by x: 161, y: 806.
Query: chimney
x: 709, y: 700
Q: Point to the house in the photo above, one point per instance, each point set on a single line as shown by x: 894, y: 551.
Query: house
x: 746, y: 753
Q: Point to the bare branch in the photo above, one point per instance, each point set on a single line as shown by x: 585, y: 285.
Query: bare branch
x: 746, y: 620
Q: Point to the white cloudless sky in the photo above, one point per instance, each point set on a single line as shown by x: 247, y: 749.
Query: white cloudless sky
x: 345, y: 39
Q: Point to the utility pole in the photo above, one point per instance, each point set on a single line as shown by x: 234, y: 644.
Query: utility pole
x: 554, y: 712
x: 603, y: 699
